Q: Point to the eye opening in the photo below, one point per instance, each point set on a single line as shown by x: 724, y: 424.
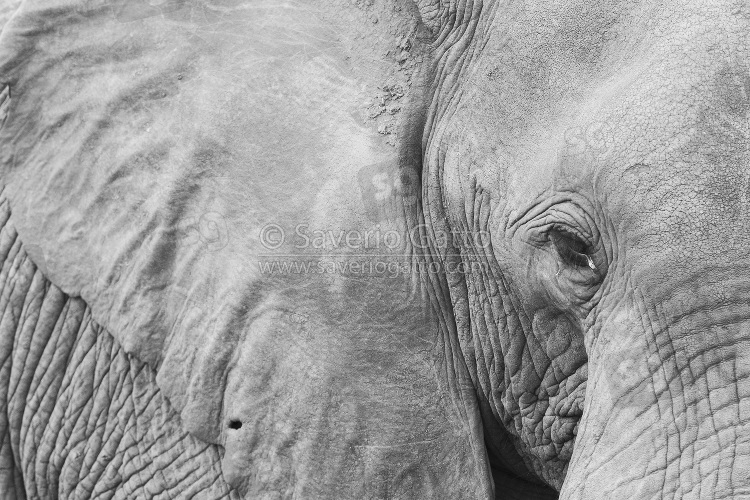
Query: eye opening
x: 571, y: 248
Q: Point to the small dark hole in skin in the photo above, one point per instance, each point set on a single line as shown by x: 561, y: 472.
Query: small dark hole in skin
x: 235, y: 424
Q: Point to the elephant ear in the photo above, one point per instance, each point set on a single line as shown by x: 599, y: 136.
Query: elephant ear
x: 154, y: 157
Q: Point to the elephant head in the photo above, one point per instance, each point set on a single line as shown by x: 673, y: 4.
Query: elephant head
x: 431, y: 249
x: 601, y: 150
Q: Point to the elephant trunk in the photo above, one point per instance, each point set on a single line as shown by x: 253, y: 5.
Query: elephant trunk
x: 668, y: 404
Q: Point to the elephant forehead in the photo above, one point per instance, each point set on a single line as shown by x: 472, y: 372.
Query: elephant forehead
x: 672, y: 175
x: 593, y: 93
x: 548, y: 77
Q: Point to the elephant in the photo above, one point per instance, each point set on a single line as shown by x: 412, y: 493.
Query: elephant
x: 374, y: 249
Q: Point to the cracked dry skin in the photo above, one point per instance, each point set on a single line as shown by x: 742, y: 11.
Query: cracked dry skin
x: 374, y: 249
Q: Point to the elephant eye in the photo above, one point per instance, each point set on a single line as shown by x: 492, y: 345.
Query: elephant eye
x: 571, y: 248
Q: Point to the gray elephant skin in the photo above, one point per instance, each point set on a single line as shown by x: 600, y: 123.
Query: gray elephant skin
x: 375, y: 249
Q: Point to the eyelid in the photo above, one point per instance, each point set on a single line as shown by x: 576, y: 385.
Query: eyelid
x: 564, y: 228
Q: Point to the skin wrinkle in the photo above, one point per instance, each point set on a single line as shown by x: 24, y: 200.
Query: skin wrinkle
x: 473, y: 253
x: 449, y: 336
x: 482, y: 201
x: 453, y: 54
x: 451, y: 374
x: 480, y: 336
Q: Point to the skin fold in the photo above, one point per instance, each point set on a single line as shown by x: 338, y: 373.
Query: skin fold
x: 384, y: 249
